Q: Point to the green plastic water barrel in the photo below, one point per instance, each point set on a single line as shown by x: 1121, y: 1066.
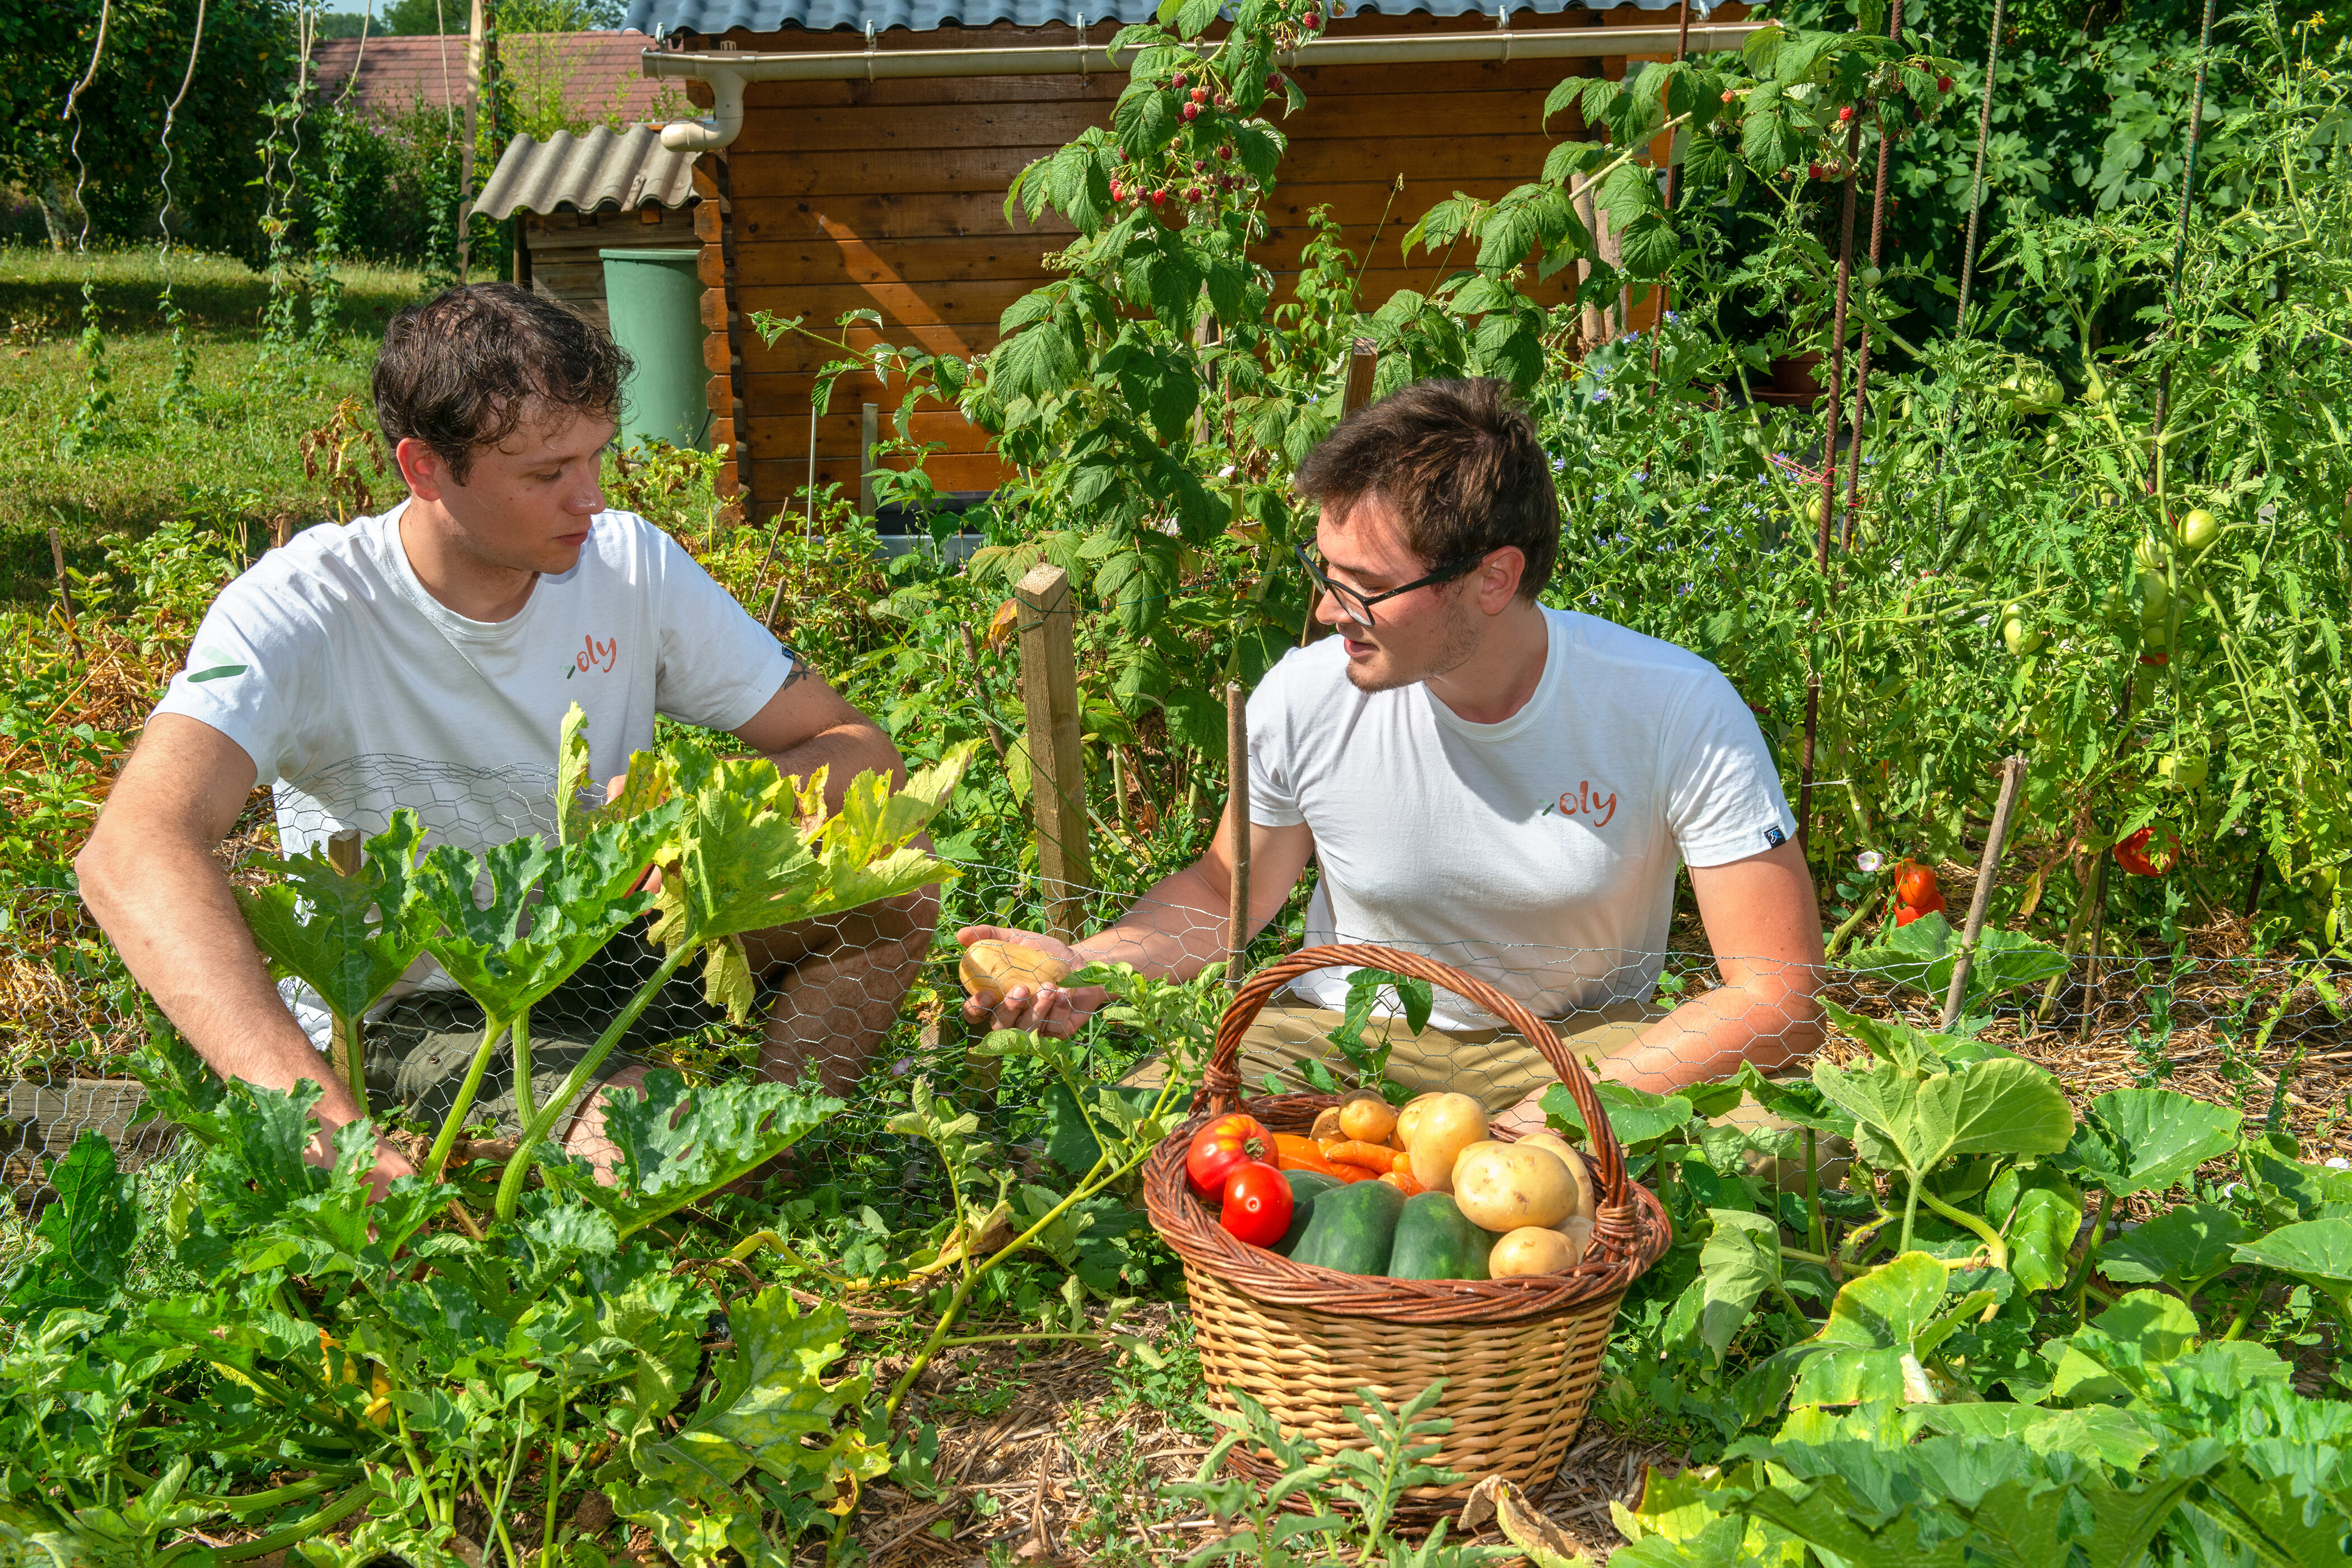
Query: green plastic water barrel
x: 655, y: 298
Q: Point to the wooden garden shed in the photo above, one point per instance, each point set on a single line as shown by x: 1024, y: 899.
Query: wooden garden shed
x: 575, y: 197
x: 855, y: 154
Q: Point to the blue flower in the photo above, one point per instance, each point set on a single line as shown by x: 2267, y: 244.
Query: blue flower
x: 1600, y: 394
x: 1672, y: 318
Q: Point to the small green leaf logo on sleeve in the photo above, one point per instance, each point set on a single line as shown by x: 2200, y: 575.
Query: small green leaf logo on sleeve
x: 211, y: 664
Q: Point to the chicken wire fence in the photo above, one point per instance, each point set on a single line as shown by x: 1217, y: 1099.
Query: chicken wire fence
x: 868, y: 1000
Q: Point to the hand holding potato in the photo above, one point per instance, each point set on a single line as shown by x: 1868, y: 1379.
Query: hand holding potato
x: 1013, y: 980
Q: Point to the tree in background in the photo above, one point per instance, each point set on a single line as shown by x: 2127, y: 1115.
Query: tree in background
x: 47, y: 44
x: 509, y: 16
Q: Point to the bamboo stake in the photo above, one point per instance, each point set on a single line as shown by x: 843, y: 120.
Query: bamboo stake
x: 2012, y: 778
x: 1976, y: 180
x: 1878, y: 241
x: 1237, y: 812
x: 1829, y: 483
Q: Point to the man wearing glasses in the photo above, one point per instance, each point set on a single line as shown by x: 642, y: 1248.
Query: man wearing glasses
x: 1505, y: 787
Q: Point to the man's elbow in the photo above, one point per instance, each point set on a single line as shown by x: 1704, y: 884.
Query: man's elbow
x: 97, y: 868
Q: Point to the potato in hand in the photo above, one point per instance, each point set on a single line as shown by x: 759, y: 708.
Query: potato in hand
x: 992, y: 968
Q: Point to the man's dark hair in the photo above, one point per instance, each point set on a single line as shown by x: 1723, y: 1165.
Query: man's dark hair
x: 462, y: 370
x: 1459, y: 461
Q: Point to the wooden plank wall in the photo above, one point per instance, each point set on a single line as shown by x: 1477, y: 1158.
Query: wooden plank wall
x: 563, y: 247
x: 890, y: 196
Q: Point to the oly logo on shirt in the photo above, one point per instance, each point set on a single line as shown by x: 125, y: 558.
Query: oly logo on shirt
x: 1584, y: 801
x: 594, y: 655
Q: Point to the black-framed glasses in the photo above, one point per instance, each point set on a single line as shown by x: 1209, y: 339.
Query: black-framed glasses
x: 1359, y: 603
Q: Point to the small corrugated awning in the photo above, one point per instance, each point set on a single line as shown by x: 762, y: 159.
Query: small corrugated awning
x: 604, y: 168
x: 714, y: 17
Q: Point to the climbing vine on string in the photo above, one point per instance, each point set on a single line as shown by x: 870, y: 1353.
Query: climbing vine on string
x: 87, y: 427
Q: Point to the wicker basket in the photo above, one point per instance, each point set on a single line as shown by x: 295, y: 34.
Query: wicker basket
x: 1519, y: 1357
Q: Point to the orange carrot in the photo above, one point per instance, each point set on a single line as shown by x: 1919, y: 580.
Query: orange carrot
x: 1293, y: 1152
x: 1356, y: 1151
x: 1402, y: 1179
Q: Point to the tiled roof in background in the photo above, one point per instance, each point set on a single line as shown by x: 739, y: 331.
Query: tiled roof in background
x: 583, y: 173
x: 600, y: 73
x: 713, y: 18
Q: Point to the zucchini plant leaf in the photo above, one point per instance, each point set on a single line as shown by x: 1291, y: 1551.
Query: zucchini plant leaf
x: 2317, y: 1251
x: 548, y: 910
x: 2182, y: 1248
x: 2003, y: 1106
x: 1639, y: 1118
x: 2147, y: 1139
x: 347, y: 938
x: 1881, y: 1329
x: 679, y: 1142
x: 752, y: 852
x: 1740, y: 1261
x: 88, y: 1230
x: 1923, y: 954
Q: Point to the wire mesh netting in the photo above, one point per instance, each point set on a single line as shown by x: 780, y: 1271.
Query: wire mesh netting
x: 866, y: 1000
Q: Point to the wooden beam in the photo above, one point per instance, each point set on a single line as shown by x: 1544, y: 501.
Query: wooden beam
x: 1057, y: 772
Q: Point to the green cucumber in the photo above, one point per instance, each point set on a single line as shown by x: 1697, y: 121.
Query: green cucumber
x: 1305, y: 1187
x: 1436, y: 1240
x: 1351, y: 1229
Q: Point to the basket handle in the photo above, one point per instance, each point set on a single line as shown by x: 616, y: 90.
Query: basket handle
x: 1221, y: 1089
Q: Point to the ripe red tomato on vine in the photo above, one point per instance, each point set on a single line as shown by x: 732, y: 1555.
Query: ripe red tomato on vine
x: 2132, y: 854
x: 1258, y: 1203
x: 1231, y: 1140
x: 1915, y: 885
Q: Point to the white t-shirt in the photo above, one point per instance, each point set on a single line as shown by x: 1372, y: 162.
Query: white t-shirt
x: 355, y: 691
x: 1537, y: 854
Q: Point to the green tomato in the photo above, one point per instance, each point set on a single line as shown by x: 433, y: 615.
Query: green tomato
x: 2018, y: 640
x: 2200, y: 529
x: 1870, y: 277
x: 1815, y: 509
x: 2182, y: 770
x: 2155, y: 597
x: 2096, y: 391
x: 2148, y: 553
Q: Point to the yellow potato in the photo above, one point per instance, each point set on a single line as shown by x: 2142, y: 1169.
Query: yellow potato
x: 1506, y: 1186
x: 1327, y: 1126
x: 1365, y: 1115
x: 1587, y: 1202
x: 1446, y: 1126
x: 1579, y: 1232
x: 992, y: 968
x: 1530, y: 1250
x: 1409, y: 1117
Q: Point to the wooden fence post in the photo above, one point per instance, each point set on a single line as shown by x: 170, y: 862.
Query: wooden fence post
x: 1362, y: 360
x: 1237, y: 811
x: 347, y: 1045
x: 1057, y: 772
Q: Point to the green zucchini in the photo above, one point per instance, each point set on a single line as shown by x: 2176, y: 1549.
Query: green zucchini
x: 1305, y: 1187
x: 1436, y: 1240
x: 1352, y: 1229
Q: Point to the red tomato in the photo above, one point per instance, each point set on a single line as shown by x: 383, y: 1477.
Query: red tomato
x: 1906, y: 913
x: 1231, y: 1140
x: 1914, y: 885
x: 1258, y: 1203
x: 2132, y: 854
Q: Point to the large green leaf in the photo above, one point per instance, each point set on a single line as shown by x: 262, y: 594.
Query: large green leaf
x: 1881, y: 1328
x: 1740, y: 1261
x: 2147, y: 1139
x: 88, y: 1235
x: 2001, y: 1106
x: 2316, y: 1251
x: 347, y: 938
x: 1923, y: 955
x: 754, y: 852
x: 549, y: 910
x: 1638, y: 1118
x: 2100, y: 1432
x: 680, y: 1141
x: 2182, y: 1248
x: 2041, y: 1234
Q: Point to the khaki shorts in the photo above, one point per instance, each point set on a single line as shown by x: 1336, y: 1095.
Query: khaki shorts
x: 1496, y: 1066
x: 419, y: 1051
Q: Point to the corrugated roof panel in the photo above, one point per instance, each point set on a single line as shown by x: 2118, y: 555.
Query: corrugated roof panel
x: 713, y: 18
x: 602, y: 169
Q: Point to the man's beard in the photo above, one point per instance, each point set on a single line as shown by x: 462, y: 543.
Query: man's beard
x: 1461, y: 641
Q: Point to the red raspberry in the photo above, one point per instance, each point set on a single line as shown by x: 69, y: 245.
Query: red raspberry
x: 1943, y: 84
x: 1314, y: 19
x: 1845, y: 114
x: 1814, y: 170
x: 1225, y: 151
x: 1178, y: 80
x: 1158, y: 198
x: 1199, y: 95
x: 1191, y: 111
x: 1729, y: 96
x: 1273, y: 81
x: 1118, y: 191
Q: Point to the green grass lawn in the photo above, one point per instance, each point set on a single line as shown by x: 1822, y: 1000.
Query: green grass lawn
x: 232, y: 456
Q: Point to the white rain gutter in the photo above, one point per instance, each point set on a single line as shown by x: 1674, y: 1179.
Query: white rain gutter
x: 726, y: 70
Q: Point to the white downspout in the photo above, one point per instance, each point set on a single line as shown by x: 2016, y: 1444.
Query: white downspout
x: 726, y: 71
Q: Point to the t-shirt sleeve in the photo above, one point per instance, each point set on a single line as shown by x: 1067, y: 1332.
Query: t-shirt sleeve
x: 718, y: 665
x: 250, y: 674
x: 1273, y: 753
x: 1723, y: 792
